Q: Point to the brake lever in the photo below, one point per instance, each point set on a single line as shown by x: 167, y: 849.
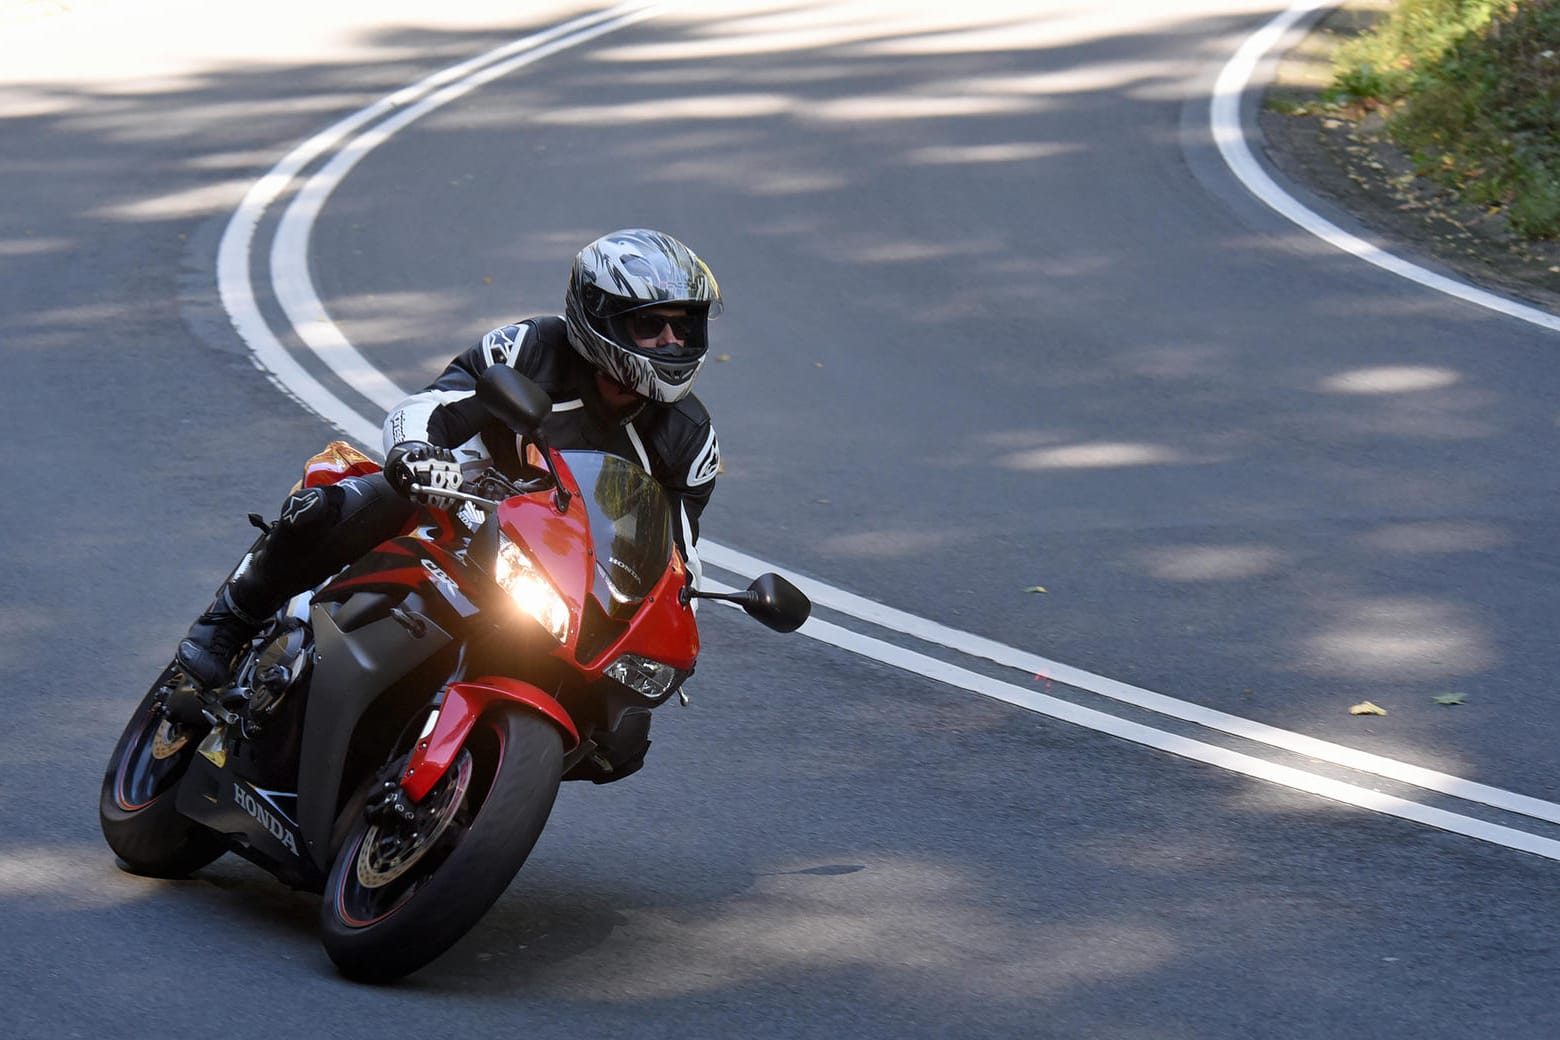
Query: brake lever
x: 486, y: 504
x: 494, y: 478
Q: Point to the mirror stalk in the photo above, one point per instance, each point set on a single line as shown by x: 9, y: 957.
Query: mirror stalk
x: 522, y: 406
x: 561, y: 497
x: 743, y: 598
x: 770, y: 600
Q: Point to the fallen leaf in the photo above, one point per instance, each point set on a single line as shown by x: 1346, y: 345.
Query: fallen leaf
x: 1035, y: 588
x: 722, y: 357
x: 1450, y: 698
x: 487, y: 279
x: 1367, y: 708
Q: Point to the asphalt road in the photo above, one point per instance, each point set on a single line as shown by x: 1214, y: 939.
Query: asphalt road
x: 997, y: 318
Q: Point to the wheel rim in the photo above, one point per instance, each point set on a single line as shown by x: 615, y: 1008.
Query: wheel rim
x: 151, y: 763
x: 379, y: 878
x: 168, y: 741
x: 389, y: 852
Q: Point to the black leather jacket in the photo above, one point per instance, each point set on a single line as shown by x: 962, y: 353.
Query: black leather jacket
x: 675, y: 443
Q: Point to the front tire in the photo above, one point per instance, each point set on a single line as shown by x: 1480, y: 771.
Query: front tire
x: 400, y: 894
x: 136, y: 802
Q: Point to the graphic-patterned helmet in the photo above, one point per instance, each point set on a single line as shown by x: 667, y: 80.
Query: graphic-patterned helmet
x: 628, y: 271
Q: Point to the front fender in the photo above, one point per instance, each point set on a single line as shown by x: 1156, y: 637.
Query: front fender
x: 464, y: 703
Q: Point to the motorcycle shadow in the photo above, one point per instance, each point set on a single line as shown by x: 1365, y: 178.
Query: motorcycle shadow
x: 538, y: 937
x: 525, y: 931
x: 250, y: 897
x: 567, y: 912
x: 525, y: 935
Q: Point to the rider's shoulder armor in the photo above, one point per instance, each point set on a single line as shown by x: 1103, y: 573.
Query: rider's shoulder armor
x: 677, y: 440
x: 683, y: 437
x: 678, y: 437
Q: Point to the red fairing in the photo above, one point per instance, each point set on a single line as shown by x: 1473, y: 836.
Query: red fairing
x: 464, y: 703
x: 390, y: 571
x: 560, y: 545
x: 338, y: 461
x: 665, y: 629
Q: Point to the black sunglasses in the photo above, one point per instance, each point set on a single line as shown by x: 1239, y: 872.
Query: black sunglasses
x: 644, y: 325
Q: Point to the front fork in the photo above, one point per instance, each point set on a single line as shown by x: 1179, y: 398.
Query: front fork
x: 451, y: 722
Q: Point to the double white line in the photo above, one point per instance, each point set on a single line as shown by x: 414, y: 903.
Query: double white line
x: 337, y: 149
x: 1031, y: 664
x: 293, y: 287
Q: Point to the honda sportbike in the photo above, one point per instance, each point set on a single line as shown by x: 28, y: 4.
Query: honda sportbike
x: 395, y: 738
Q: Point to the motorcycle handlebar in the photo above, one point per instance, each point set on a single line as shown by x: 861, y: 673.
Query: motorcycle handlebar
x: 477, y: 500
x: 493, y: 479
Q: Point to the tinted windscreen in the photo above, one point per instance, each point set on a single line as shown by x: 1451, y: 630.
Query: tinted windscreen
x: 630, y: 526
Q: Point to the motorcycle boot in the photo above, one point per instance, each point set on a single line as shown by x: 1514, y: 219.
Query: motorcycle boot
x: 264, y: 580
x: 206, y: 652
x: 318, y: 531
x: 241, y: 607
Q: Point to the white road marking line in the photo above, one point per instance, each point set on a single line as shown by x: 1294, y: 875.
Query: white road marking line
x: 294, y: 290
x: 1033, y: 664
x: 290, y: 249
x: 1261, y: 769
x: 1230, y: 135
x: 234, y: 276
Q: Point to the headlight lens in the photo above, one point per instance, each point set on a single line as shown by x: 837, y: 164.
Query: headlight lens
x: 642, y: 675
x: 518, y: 575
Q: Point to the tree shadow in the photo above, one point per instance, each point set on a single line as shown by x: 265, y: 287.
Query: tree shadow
x: 941, y: 257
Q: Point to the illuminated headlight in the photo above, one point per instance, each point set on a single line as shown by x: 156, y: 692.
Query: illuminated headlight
x: 642, y: 675
x: 518, y: 575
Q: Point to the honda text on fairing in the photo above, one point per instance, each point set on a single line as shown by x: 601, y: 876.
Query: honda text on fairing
x: 395, y: 739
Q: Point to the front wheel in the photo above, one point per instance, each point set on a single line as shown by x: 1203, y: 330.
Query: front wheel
x: 401, y: 893
x: 136, y: 803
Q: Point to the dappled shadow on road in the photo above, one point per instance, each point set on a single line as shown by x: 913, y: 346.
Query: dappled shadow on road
x: 965, y: 244
x: 1015, y: 878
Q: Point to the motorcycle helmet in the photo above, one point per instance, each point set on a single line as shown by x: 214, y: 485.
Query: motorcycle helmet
x: 628, y: 271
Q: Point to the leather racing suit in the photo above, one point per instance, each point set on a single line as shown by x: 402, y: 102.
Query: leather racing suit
x: 320, y: 530
x: 675, y: 443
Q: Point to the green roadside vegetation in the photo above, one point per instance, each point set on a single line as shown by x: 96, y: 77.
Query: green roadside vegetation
x: 1470, y: 90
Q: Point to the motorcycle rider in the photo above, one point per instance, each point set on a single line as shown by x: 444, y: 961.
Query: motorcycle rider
x: 619, y: 365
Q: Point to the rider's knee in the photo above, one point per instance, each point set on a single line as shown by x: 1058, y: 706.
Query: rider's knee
x: 309, y: 512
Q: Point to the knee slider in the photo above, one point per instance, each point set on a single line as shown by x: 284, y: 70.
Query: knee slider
x: 309, y: 511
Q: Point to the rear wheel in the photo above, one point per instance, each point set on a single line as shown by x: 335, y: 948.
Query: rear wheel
x: 401, y: 892
x: 136, y: 803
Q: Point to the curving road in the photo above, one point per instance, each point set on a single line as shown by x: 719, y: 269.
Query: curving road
x: 999, y: 317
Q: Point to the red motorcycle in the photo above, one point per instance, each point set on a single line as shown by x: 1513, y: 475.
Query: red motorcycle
x: 397, y: 739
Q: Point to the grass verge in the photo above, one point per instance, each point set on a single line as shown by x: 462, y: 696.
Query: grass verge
x: 1470, y: 89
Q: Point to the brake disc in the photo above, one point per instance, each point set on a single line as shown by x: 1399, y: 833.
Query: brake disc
x: 390, y: 850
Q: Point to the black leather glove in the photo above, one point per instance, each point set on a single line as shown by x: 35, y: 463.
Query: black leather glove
x: 432, y: 468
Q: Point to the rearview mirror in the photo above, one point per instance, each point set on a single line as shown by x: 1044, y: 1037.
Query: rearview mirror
x: 770, y: 600
x: 513, y: 399
x: 775, y: 602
